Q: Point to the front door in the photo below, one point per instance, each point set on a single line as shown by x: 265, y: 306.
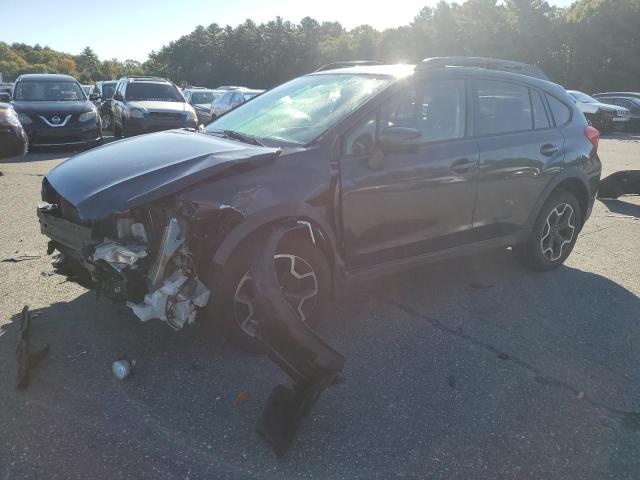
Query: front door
x: 398, y: 205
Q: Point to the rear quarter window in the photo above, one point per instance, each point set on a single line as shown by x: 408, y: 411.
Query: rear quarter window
x: 561, y: 113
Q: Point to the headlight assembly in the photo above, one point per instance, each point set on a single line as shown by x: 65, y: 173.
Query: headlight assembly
x: 191, y: 115
x: 85, y: 117
x: 24, y: 119
x: 137, y: 113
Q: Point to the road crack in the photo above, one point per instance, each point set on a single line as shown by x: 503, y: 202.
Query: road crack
x: 629, y: 420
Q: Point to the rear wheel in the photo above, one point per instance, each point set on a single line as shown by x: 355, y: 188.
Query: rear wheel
x: 554, y: 233
x: 305, y: 278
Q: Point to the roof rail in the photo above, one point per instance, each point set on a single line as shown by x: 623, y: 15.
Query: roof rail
x: 352, y: 63
x: 480, y: 62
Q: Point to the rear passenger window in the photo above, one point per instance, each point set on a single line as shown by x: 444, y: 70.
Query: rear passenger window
x: 502, y: 108
x: 561, y: 113
x: 540, y: 119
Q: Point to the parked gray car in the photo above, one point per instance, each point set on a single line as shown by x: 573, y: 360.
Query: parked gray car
x: 149, y: 104
x: 201, y: 100
x: 231, y: 99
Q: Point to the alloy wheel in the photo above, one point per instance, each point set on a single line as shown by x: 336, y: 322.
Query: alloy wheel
x: 299, y: 286
x: 558, y: 231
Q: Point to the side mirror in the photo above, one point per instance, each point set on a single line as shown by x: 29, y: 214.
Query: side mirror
x: 5, y: 97
x: 94, y: 97
x: 118, y: 97
x: 399, y: 140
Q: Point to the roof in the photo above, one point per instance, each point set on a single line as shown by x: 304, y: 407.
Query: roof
x: 441, y: 67
x: 45, y: 77
x: 399, y: 70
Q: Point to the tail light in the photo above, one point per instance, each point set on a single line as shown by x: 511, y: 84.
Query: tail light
x: 593, y: 135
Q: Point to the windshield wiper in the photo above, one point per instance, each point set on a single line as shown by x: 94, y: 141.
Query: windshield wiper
x: 243, y: 137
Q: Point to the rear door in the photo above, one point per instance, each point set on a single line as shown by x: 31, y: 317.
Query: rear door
x: 520, y: 150
x: 397, y: 205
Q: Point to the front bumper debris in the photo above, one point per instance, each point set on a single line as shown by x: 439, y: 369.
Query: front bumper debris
x: 312, y: 363
x: 620, y: 183
x: 161, y: 285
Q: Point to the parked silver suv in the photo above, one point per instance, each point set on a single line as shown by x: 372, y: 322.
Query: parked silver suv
x: 149, y: 104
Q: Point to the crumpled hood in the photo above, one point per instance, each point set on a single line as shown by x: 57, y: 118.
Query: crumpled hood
x: 132, y: 172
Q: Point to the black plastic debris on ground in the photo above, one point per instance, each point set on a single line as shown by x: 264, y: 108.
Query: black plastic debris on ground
x: 620, y: 183
x: 21, y: 258
x: 26, y: 357
x: 295, y: 348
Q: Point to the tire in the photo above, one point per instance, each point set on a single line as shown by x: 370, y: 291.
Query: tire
x: 231, y: 287
x: 117, y: 130
x: 554, y: 233
x: 107, y: 121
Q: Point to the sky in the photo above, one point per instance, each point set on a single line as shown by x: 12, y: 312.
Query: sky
x: 125, y: 29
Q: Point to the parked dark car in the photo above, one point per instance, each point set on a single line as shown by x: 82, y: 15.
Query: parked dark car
x: 381, y: 168
x: 232, y: 99
x: 103, y: 93
x: 603, y: 116
x: 13, y: 138
x: 54, y: 111
x: 201, y: 99
x: 149, y: 104
x: 630, y: 103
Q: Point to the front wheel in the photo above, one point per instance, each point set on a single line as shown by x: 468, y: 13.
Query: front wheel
x: 305, y: 278
x: 117, y: 130
x: 107, y: 121
x: 554, y: 233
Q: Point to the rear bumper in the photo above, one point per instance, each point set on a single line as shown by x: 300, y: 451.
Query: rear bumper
x: 13, y: 141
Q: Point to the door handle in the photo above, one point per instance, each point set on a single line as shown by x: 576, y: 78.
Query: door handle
x: 548, y: 149
x: 462, y: 166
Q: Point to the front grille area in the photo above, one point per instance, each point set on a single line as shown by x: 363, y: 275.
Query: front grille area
x: 166, y: 115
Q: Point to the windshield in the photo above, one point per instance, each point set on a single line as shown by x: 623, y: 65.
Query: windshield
x: 583, y: 97
x: 48, y: 92
x: 162, y: 92
x: 302, y: 109
x: 108, y: 89
x: 202, y: 97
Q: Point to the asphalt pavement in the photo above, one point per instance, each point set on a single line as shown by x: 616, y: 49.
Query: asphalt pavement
x: 471, y: 368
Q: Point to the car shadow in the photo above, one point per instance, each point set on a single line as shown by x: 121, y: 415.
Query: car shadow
x: 622, y: 207
x: 426, y: 352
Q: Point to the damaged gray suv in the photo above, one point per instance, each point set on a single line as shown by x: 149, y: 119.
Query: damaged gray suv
x: 380, y: 166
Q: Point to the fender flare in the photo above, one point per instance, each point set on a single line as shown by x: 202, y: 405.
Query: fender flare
x: 569, y: 173
x: 273, y: 215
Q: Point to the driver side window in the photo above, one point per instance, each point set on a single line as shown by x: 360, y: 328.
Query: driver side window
x: 436, y: 109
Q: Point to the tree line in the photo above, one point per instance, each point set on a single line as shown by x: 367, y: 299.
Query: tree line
x: 591, y: 45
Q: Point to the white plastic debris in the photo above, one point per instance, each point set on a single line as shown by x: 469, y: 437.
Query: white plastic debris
x: 175, y: 293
